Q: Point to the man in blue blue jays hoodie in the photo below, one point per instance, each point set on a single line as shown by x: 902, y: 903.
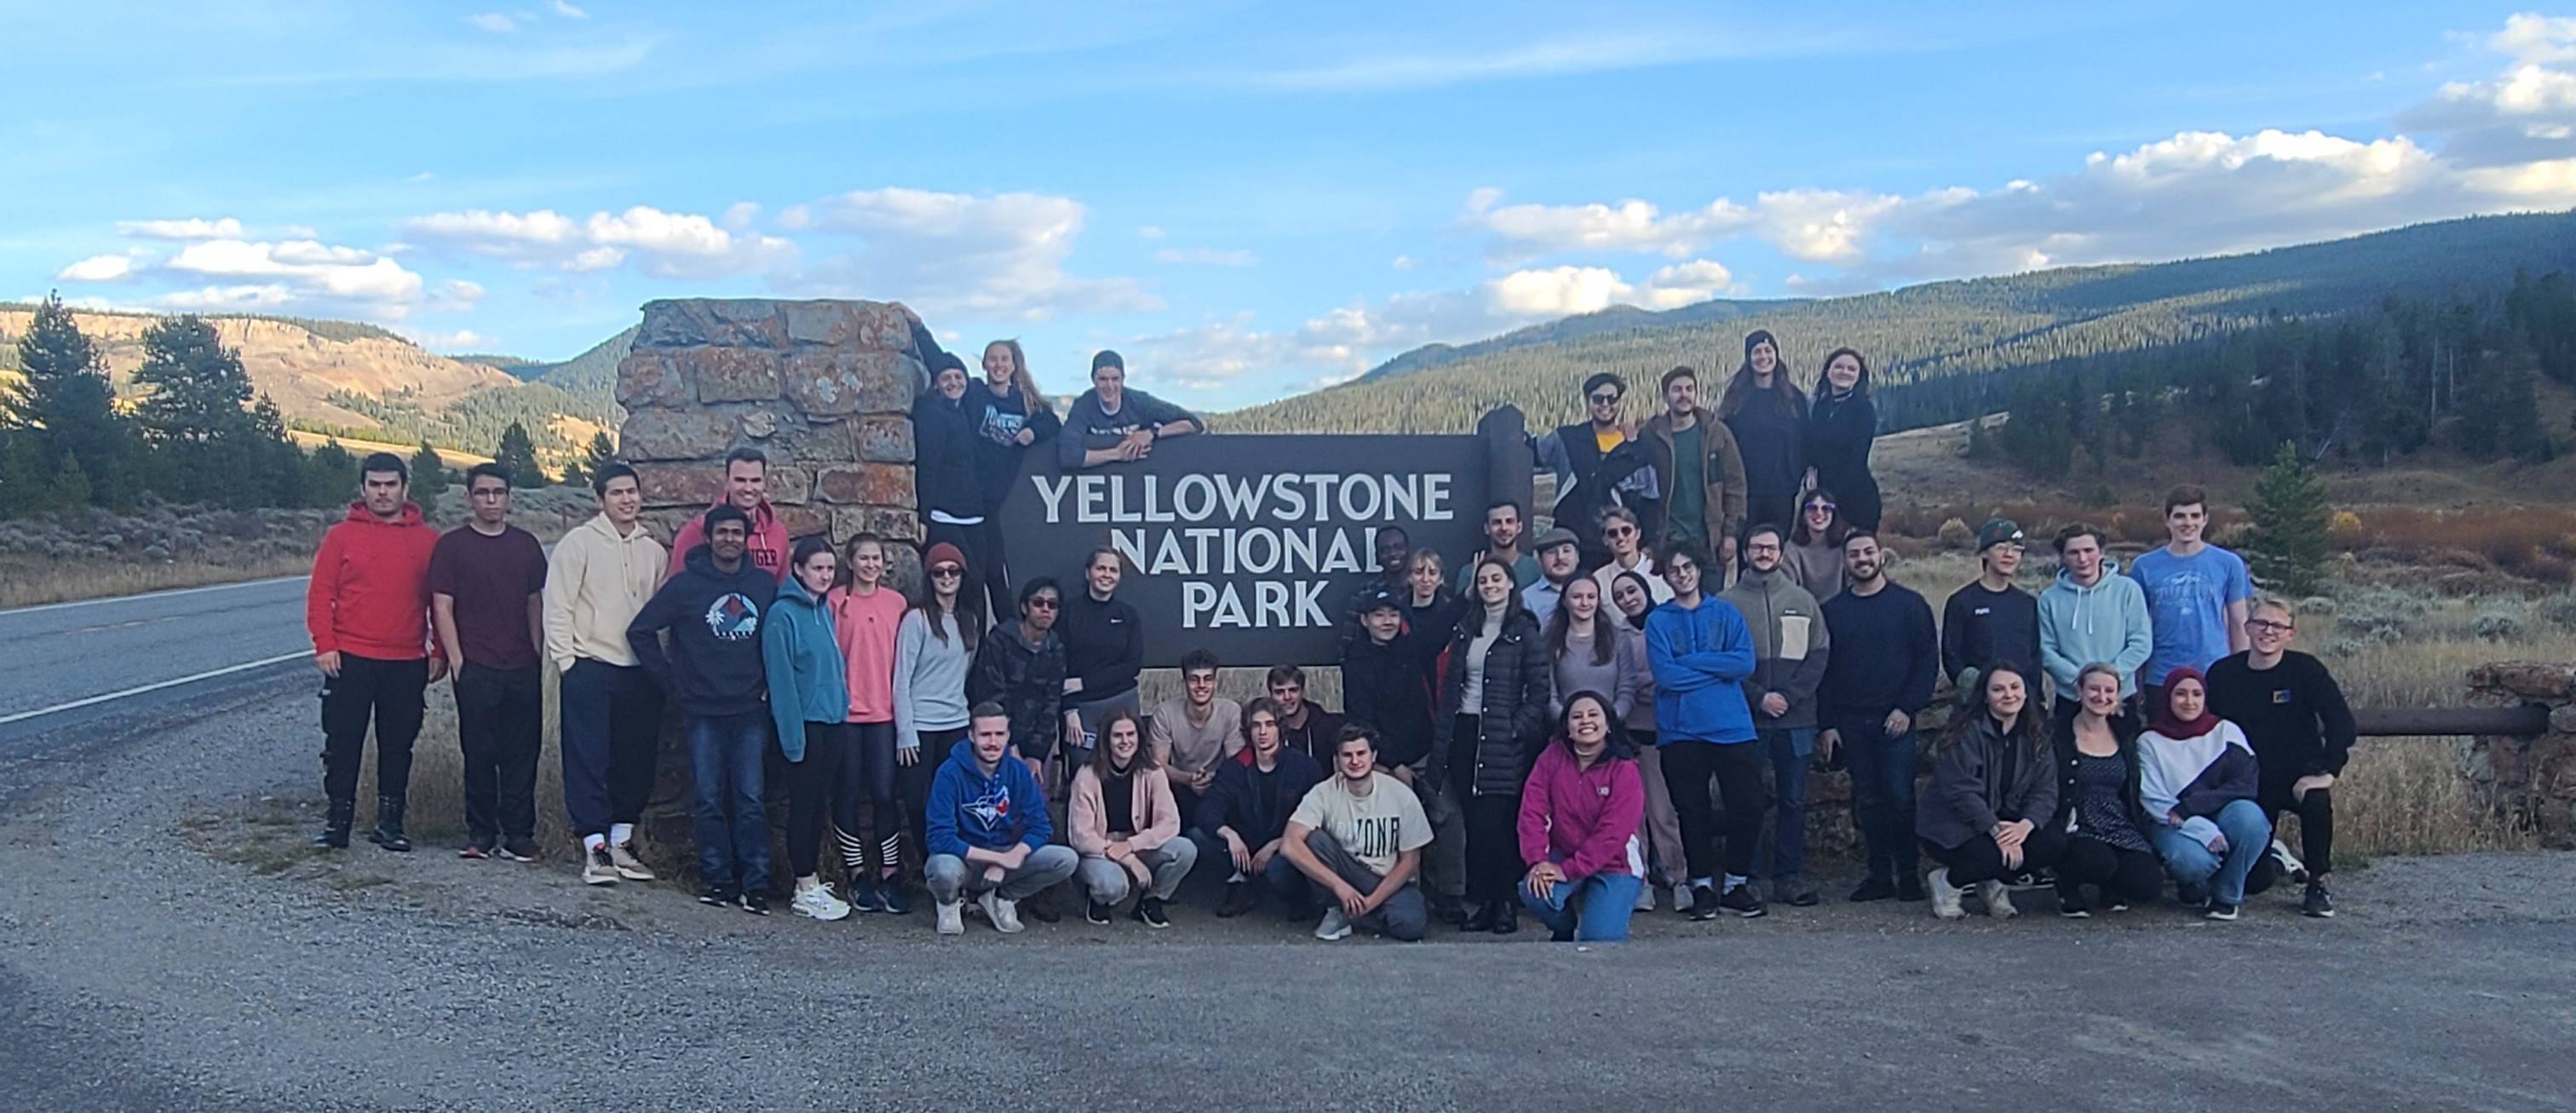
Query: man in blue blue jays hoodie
x: 1701, y: 652
x: 989, y: 829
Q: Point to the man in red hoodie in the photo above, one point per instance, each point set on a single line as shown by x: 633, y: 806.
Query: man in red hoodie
x: 746, y: 486
x: 367, y: 608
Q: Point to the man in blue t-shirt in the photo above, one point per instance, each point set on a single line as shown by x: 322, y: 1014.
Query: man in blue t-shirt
x: 2196, y: 595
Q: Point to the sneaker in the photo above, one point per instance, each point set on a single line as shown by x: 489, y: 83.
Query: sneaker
x: 1909, y: 888
x: 863, y: 895
x: 755, y: 902
x: 1335, y: 926
x: 1704, y: 903
x: 1095, y: 912
x: 2117, y: 906
x: 1003, y: 914
x: 1945, y: 896
x: 2191, y: 897
x: 1645, y: 898
x: 1682, y: 898
x: 890, y: 897
x: 1874, y: 888
x: 2292, y: 869
x: 2220, y: 910
x: 1149, y: 912
x: 1239, y: 899
x: 818, y: 903
x: 476, y: 849
x: 2318, y: 903
x: 1794, y: 892
x: 596, y: 869
x: 622, y: 855
x: 1998, y: 898
x: 2071, y: 905
x: 1742, y: 901
x: 952, y: 918
x: 716, y: 895
x: 517, y: 850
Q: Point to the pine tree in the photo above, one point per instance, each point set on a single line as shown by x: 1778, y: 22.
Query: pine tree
x: 67, y: 398
x: 519, y: 454
x: 2290, y: 516
x: 601, y: 453
x: 25, y: 489
x: 198, y: 413
x: 573, y: 476
x: 71, y: 484
x: 428, y: 473
x: 330, y: 475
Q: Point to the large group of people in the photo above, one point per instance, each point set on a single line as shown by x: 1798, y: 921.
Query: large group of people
x: 1576, y: 726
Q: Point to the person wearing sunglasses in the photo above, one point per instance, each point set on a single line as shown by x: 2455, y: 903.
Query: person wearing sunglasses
x: 1020, y: 667
x: 933, y: 647
x: 1598, y: 463
x: 1814, y: 556
x: 2302, y: 731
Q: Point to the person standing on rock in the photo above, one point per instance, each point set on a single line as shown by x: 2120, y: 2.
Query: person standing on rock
x: 944, y: 475
x: 367, y: 609
x: 1010, y: 415
x: 2294, y: 714
x: 809, y: 697
x: 487, y: 582
x: 746, y: 488
x: 1598, y: 465
x: 1877, y: 680
x: 1790, y: 650
x: 1842, y: 423
x: 714, y: 610
x: 1110, y: 422
x: 609, y: 710
x: 867, y: 623
x: 1768, y: 417
x: 2196, y: 595
x: 989, y: 830
x: 935, y: 649
x: 1699, y: 470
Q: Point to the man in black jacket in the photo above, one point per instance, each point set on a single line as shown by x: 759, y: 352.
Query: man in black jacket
x: 1383, y: 687
x: 2294, y: 715
x: 1021, y: 667
x: 1990, y: 619
x: 1247, y: 812
x: 1598, y: 464
x: 1878, y: 678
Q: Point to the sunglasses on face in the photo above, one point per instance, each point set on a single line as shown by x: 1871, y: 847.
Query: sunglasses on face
x: 946, y: 570
x: 1621, y: 531
x: 1605, y: 399
x: 1043, y: 603
x: 1820, y: 508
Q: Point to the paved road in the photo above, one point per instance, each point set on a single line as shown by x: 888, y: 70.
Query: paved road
x: 163, y: 946
x: 68, y: 652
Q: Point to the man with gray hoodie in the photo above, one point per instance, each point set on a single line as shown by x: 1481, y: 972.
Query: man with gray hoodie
x: 1789, y: 650
x: 2092, y: 614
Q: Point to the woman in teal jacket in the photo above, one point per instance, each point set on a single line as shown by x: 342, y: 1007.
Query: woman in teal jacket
x: 808, y: 699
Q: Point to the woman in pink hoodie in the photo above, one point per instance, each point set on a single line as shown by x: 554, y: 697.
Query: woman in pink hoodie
x: 1578, y: 826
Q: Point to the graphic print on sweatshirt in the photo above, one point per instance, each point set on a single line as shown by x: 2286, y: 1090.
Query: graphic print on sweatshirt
x: 733, y: 617
x: 1002, y: 426
x: 992, y: 810
x: 1376, y: 836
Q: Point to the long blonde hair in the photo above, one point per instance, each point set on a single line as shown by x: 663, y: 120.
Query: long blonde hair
x: 1030, y: 396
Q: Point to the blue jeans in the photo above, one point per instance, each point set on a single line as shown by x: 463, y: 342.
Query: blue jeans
x: 1594, y: 909
x: 1882, y: 773
x: 1789, y: 751
x: 730, y: 821
x: 2249, y: 834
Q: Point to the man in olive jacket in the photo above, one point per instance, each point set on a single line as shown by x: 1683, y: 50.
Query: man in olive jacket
x: 1789, y: 650
x: 1699, y: 469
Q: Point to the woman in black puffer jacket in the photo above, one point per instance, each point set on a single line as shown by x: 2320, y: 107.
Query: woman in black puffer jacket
x: 1492, y: 721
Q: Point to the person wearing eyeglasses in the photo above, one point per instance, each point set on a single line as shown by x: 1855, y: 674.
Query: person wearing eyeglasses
x: 1020, y: 667
x: 934, y: 646
x: 2302, y: 731
x: 486, y: 581
x: 1598, y: 463
x: 1623, y: 533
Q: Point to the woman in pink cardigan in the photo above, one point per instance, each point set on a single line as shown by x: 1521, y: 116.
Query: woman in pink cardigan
x: 1123, y: 822
x: 1578, y: 826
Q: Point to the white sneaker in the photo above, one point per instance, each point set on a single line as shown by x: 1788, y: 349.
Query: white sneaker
x: 818, y: 903
x: 1005, y: 914
x: 1645, y: 898
x: 1681, y: 898
x: 1335, y: 926
x: 952, y: 918
x: 622, y: 856
x: 596, y: 869
x: 1945, y: 896
x: 2293, y: 870
x: 1998, y: 899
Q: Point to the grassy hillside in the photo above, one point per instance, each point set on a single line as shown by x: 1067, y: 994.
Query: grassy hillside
x: 1934, y: 332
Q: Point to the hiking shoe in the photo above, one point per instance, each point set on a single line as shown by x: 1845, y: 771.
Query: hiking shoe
x: 1239, y: 899
x: 1873, y: 888
x: 890, y: 897
x: 1335, y: 926
x: 517, y: 850
x: 1004, y: 914
x: 2070, y: 904
x: 476, y: 849
x: 597, y: 869
x: 1794, y: 892
x: 952, y: 917
x: 2220, y: 910
x: 718, y: 895
x: 1149, y: 912
x: 1998, y: 898
x: 1742, y: 901
x: 622, y: 856
x: 817, y: 902
x: 1909, y: 888
x: 2318, y: 903
x: 2292, y: 869
x: 1095, y: 912
x: 755, y: 902
x: 1704, y: 903
x: 1945, y: 896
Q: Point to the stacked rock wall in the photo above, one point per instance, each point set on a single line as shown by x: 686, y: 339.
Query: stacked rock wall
x: 2532, y: 778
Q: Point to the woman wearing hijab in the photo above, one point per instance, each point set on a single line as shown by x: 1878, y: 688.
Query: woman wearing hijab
x: 1578, y: 827
x: 1986, y: 813
x: 1841, y: 425
x: 2198, y: 779
x: 1768, y: 417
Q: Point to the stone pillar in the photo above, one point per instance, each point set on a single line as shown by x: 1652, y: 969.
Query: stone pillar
x: 2532, y: 778
x: 825, y: 389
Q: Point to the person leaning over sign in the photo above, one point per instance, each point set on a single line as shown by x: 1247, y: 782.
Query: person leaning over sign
x: 944, y: 476
x: 1493, y: 716
x: 1110, y: 422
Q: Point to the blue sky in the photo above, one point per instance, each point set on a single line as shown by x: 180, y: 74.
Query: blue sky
x: 1248, y: 200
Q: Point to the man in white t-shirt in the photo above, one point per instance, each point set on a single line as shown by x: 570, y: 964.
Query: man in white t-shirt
x: 1358, y: 838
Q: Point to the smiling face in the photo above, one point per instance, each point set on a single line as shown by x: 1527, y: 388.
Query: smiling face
x: 1355, y: 759
x: 1603, y: 403
x: 2102, y: 694
x: 2188, y: 698
x: 2005, y: 693
x: 1764, y: 358
x: 1862, y: 559
x: 1201, y: 686
x: 746, y: 484
x: 1290, y: 695
x: 1843, y: 372
x: 817, y: 571
x: 1103, y: 574
x: 623, y: 501
x: 1681, y: 573
x: 1493, y: 584
x: 1503, y: 527
x: 867, y: 563
x: 2271, y: 628
x: 1820, y: 516
x: 1762, y: 550
x: 1587, y: 723
x: 2003, y: 559
x: 1582, y: 601
x: 1111, y: 382
x: 1621, y: 536
x: 1122, y: 742
x: 1383, y: 624
x: 1631, y: 599
x: 951, y: 383
x: 1392, y: 547
x: 1000, y: 371
x: 727, y: 539
x: 2185, y: 523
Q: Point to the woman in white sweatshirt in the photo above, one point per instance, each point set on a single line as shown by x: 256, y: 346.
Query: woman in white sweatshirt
x: 2197, y: 778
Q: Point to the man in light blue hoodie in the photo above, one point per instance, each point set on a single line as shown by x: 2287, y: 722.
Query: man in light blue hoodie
x: 1700, y: 652
x: 2092, y: 614
x: 989, y: 829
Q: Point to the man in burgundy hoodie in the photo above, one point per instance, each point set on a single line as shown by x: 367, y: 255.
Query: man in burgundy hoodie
x: 367, y: 607
x: 746, y: 487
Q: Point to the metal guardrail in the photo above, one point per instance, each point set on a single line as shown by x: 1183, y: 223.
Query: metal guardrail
x: 2527, y: 720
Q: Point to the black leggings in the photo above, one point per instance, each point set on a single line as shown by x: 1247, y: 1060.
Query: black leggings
x: 2316, y: 822
x: 1979, y: 859
x: 812, y: 783
x: 868, y: 781
x: 2125, y: 876
x: 1493, y: 846
x: 1688, y: 766
x: 913, y: 782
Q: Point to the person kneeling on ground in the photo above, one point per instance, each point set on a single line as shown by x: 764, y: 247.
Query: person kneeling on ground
x: 1985, y: 814
x: 1246, y: 814
x: 2097, y: 800
x: 1578, y: 827
x: 989, y: 829
x: 1358, y: 838
x: 1124, y: 823
x: 2198, y: 776
x: 2295, y: 716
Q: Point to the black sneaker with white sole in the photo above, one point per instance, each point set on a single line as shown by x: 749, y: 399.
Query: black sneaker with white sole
x: 716, y: 895
x: 1096, y: 913
x: 2220, y: 910
x: 1743, y: 901
x: 1149, y: 912
x: 1704, y: 903
x: 2318, y: 903
x: 756, y: 903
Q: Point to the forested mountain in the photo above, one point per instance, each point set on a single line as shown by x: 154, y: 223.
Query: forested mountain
x: 1933, y: 348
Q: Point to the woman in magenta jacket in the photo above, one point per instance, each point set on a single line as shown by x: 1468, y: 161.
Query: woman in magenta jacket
x: 1578, y: 826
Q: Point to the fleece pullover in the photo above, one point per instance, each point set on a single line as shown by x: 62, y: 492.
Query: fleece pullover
x: 369, y: 594
x: 714, y: 617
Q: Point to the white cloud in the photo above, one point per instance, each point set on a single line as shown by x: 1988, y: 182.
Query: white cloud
x: 418, y: 178
x: 493, y: 22
x: 1207, y: 256
x: 996, y: 257
x: 1149, y: 232
x: 461, y: 340
x: 739, y: 215
x: 193, y: 228
x: 1538, y: 295
x: 1403, y: 263
x: 98, y: 268
x: 2530, y: 38
x: 662, y: 244
x: 568, y: 11
x: 304, y: 275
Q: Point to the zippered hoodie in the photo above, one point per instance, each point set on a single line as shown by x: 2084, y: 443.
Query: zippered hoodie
x: 1149, y: 804
x: 2196, y: 777
x: 768, y: 544
x: 1027, y: 680
x: 802, y: 655
x: 597, y: 581
x: 369, y: 594
x: 1970, y: 790
x: 1700, y: 657
x: 1584, y: 820
x: 2105, y: 623
x: 1790, y: 645
x: 1383, y: 686
x: 944, y: 455
x: 971, y: 809
x: 714, y: 618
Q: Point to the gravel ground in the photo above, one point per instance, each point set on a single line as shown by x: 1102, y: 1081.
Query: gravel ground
x: 166, y: 944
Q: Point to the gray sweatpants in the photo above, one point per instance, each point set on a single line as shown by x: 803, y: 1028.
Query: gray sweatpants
x: 1403, y: 917
x: 1109, y: 882
x: 951, y: 878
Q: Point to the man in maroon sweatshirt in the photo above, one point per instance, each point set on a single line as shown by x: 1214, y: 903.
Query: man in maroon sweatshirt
x: 367, y: 607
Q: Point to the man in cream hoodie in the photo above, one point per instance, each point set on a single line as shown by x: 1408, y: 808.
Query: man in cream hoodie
x: 600, y: 575
x: 2092, y: 614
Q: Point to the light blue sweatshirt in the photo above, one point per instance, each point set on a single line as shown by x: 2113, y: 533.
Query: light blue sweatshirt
x: 2105, y: 623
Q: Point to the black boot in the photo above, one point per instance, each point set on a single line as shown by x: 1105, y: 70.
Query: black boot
x: 1487, y: 913
x: 389, y: 832
x: 335, y: 826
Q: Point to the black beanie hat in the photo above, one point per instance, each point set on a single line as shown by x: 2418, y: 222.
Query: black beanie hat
x: 1759, y: 336
x: 1108, y: 358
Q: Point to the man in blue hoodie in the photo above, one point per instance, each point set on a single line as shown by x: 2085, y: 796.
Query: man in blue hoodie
x: 713, y: 610
x: 989, y: 829
x: 1700, y: 652
x: 2091, y: 615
